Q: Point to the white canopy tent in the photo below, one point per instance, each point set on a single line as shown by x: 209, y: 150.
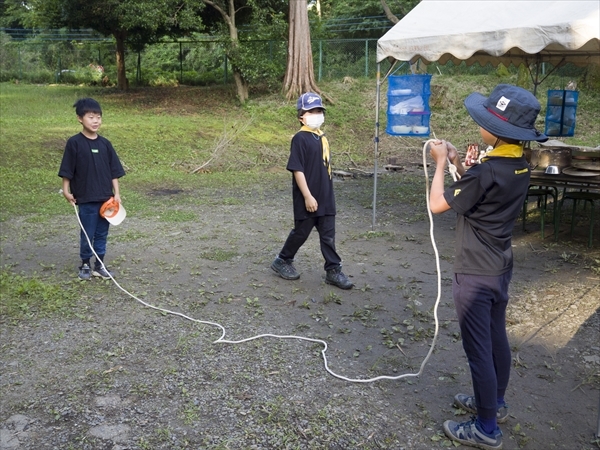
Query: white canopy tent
x: 490, y: 31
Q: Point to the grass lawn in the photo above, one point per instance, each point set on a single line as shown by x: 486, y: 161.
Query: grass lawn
x: 183, y: 137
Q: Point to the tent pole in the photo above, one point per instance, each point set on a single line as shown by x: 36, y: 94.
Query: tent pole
x: 536, y: 81
x: 376, y: 152
x: 537, y: 75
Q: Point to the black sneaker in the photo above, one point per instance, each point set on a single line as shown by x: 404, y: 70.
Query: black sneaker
x: 285, y: 269
x: 102, y: 273
x: 467, y: 402
x: 85, y: 273
x: 467, y: 433
x: 337, y: 278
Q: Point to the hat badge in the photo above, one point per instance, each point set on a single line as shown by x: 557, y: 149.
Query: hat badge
x: 502, y: 103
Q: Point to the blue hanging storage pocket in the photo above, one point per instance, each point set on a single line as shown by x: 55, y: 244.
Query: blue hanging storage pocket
x: 408, y: 110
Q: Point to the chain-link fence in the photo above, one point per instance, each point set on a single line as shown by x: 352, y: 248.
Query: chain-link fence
x: 48, y: 61
x: 91, y: 59
x: 186, y: 62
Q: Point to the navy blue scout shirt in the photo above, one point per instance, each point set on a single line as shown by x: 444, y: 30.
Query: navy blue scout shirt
x: 307, y: 156
x: 488, y: 199
x: 91, y: 165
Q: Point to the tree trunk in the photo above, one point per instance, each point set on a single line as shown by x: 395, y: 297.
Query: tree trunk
x: 121, y: 74
x: 299, y: 74
x: 388, y: 12
x: 241, y: 85
x: 229, y: 18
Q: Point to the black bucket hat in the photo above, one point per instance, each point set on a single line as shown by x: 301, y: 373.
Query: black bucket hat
x: 509, y: 112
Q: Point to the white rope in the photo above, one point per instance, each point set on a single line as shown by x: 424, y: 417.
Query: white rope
x: 222, y: 340
x: 453, y: 171
x: 451, y: 167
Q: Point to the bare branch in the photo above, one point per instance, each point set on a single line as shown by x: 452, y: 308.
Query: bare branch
x: 228, y: 137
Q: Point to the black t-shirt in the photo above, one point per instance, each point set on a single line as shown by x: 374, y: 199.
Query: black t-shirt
x: 488, y: 199
x: 91, y: 165
x: 307, y: 156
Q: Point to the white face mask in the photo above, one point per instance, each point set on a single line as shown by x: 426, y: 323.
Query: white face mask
x: 314, y: 121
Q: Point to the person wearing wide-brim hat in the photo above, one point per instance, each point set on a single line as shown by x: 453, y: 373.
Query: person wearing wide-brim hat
x: 487, y: 199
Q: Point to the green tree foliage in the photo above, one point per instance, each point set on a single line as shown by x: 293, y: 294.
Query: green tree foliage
x: 264, y: 33
x: 247, y: 28
x: 14, y: 13
x: 143, y: 21
x: 256, y: 20
x: 137, y: 22
x: 360, y: 18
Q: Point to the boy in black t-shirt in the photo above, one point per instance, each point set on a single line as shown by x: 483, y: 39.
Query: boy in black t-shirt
x: 90, y: 170
x: 312, y: 193
x: 487, y: 199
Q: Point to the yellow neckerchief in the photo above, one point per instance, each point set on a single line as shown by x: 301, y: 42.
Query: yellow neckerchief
x: 505, y: 151
x: 326, y: 157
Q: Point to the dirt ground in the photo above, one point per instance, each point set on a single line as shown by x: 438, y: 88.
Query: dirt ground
x: 119, y: 375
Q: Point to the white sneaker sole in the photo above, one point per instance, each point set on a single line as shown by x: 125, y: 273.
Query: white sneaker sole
x: 98, y: 274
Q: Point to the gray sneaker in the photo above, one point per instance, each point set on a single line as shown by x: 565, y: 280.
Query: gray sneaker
x: 85, y: 273
x: 467, y: 433
x: 102, y: 273
x: 337, y: 278
x: 285, y: 269
x: 467, y: 402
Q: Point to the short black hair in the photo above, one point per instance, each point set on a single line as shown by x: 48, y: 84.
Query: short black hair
x: 86, y: 105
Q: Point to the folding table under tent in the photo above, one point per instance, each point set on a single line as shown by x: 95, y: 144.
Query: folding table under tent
x: 490, y: 31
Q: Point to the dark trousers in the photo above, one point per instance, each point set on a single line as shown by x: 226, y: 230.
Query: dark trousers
x: 481, y: 307
x: 96, y: 228
x: 325, y: 225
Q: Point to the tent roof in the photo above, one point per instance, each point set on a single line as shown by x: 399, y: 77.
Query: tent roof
x: 489, y: 31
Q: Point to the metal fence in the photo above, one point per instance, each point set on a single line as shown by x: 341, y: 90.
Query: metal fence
x: 203, y: 62
x: 85, y: 56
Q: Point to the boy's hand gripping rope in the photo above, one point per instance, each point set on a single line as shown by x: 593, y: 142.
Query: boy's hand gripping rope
x: 222, y: 340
